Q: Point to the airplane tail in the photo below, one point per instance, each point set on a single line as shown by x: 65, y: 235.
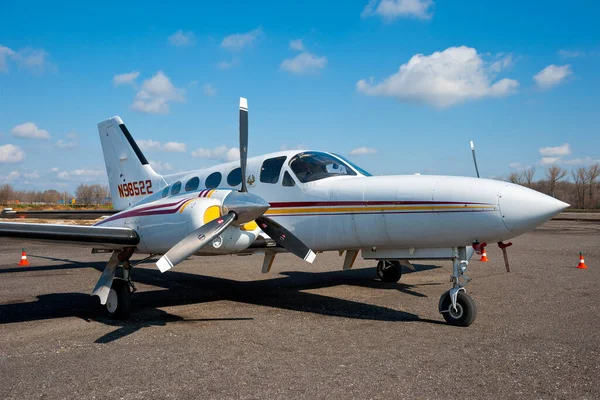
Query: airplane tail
x: 130, y: 176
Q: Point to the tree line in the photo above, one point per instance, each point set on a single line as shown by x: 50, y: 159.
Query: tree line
x: 84, y: 195
x: 582, y: 191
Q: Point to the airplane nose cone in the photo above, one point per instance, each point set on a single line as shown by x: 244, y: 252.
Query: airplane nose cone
x: 524, y: 209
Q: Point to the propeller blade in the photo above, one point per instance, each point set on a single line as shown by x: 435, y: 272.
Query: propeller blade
x: 285, y: 239
x: 243, y: 140
x: 194, y: 242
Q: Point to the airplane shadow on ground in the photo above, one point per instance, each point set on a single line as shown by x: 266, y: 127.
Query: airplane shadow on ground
x: 288, y: 292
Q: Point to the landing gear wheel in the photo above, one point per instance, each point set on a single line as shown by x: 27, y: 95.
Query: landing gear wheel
x: 466, y: 309
x: 119, y: 300
x: 389, y: 271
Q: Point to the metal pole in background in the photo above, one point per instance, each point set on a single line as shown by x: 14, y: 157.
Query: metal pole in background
x: 474, y: 159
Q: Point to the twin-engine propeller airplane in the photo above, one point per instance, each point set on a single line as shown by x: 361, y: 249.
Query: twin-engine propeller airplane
x: 293, y: 201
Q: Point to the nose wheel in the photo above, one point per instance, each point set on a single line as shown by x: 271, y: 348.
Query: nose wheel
x: 463, y: 314
x: 389, y: 271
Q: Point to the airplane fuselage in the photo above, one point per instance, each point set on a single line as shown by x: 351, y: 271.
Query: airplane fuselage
x: 342, y: 212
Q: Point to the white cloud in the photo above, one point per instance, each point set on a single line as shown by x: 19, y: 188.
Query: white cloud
x: 552, y: 75
x: 393, y: 9
x: 149, y: 144
x: 171, y: 147
x: 304, y: 63
x: 226, y: 64
x: 519, y: 166
x: 125, y: 79
x: 31, y: 175
x: 5, y: 54
x: 35, y: 60
x: 240, y: 40
x: 562, y: 150
x: 549, y: 160
x: 582, y: 161
x: 297, y: 45
x: 160, y: 166
x: 218, y: 153
x: 209, y: 90
x: 55, y: 169
x: 29, y: 130
x: 361, y: 151
x: 71, y: 142
x: 175, y: 147
x: 85, y: 175
x: 442, y: 79
x: 181, y: 38
x: 570, y: 53
x: 156, y: 94
x: 13, y: 175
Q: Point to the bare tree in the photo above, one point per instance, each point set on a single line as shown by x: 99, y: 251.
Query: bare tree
x: 515, y: 177
x: 6, y: 194
x: 554, y: 173
x: 84, y: 194
x: 579, y: 179
x: 527, y: 176
x: 99, y: 193
x: 592, y: 173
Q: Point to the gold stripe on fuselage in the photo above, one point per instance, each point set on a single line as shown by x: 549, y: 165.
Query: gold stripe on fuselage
x: 334, y: 209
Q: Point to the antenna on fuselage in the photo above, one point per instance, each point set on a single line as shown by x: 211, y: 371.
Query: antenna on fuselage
x: 474, y: 158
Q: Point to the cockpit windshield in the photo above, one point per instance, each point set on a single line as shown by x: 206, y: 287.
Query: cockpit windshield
x: 313, y: 165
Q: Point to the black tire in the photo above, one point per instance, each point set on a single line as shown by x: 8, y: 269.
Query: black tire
x: 389, y: 271
x: 466, y: 309
x: 118, y: 304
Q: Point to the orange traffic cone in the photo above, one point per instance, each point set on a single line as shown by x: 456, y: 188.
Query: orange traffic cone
x: 581, y: 264
x: 483, y: 256
x: 23, y: 262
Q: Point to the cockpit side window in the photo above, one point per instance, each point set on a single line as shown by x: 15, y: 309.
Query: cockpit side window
x: 271, y: 168
x: 165, y: 191
x: 313, y: 166
x: 287, y: 180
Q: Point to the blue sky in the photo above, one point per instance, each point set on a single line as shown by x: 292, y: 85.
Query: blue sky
x: 400, y: 86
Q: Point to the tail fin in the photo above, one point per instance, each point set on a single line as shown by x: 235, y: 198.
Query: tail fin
x: 130, y: 176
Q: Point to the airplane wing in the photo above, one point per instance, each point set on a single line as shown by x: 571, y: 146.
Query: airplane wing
x: 81, y: 235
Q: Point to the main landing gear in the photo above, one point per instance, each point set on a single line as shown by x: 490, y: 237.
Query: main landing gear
x: 115, y: 293
x: 389, y: 271
x: 457, y: 307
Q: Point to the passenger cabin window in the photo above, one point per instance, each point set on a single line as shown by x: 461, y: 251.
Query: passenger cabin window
x: 165, y: 192
x: 235, y: 177
x: 270, y: 170
x: 288, y: 180
x: 192, y: 184
x: 313, y: 166
x: 213, y: 180
x: 176, y: 188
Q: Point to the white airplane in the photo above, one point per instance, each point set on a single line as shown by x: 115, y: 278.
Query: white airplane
x: 293, y: 201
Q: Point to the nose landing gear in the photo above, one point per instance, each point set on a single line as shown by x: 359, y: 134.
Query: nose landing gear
x: 457, y: 307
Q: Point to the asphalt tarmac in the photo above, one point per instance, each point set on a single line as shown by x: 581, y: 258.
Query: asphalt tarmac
x: 215, y: 327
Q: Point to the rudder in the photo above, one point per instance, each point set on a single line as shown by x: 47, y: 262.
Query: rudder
x: 130, y: 176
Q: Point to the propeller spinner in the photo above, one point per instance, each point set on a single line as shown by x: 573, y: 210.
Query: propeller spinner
x: 239, y: 208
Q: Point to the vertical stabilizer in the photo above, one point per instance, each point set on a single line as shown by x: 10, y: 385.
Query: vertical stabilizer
x: 130, y: 176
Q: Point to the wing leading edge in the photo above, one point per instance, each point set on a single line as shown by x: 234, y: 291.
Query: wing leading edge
x: 72, y: 234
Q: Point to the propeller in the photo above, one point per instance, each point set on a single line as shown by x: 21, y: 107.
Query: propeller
x: 285, y: 239
x: 243, y: 140
x: 241, y: 207
x: 194, y: 242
